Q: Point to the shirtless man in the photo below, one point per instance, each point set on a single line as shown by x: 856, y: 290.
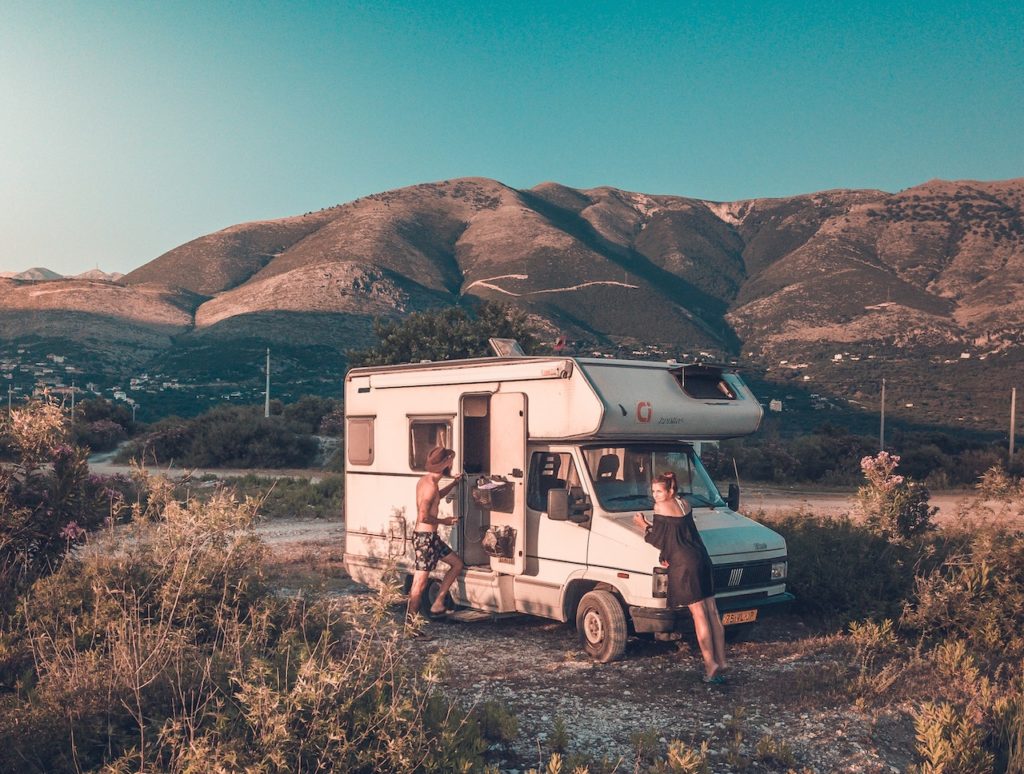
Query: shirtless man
x: 429, y: 547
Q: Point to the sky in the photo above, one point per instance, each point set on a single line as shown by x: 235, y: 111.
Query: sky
x: 129, y: 128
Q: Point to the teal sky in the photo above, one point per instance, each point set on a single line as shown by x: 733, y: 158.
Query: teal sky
x: 128, y: 128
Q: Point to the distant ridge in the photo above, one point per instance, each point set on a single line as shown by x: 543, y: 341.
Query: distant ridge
x: 934, y: 273
x: 37, y: 273
x: 98, y: 274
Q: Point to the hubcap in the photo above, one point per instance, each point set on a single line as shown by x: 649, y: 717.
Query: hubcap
x: 593, y: 627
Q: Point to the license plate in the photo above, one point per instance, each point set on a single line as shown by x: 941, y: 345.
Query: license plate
x: 738, y: 617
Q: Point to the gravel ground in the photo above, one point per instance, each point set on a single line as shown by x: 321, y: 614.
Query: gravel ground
x: 786, y: 684
x: 537, y: 670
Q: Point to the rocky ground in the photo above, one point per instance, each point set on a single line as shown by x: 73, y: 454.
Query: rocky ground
x: 781, y: 708
x: 786, y: 706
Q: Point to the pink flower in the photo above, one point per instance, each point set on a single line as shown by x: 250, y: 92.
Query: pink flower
x: 72, y: 532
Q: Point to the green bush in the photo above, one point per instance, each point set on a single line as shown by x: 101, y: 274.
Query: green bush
x: 309, y: 412
x: 893, y: 506
x: 292, y: 497
x: 48, y: 500
x: 829, y: 455
x: 975, y: 595
x: 840, y: 571
x: 158, y: 647
x: 228, y: 437
x: 100, y: 425
x: 445, y: 334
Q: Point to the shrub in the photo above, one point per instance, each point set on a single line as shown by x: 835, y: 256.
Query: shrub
x: 996, y: 484
x: 292, y: 497
x: 48, y: 500
x: 309, y: 412
x: 840, y: 571
x: 893, y: 506
x: 101, y: 435
x: 948, y: 741
x: 976, y: 595
x: 226, y: 436
x: 158, y: 647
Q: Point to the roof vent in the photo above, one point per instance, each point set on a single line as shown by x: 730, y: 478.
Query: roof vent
x: 506, y: 348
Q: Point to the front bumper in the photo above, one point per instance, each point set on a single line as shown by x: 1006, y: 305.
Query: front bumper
x: 648, y: 620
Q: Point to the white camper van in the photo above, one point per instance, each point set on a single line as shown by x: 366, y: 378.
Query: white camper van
x: 558, y: 454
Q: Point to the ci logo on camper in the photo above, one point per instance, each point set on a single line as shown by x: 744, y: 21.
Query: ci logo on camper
x: 644, y: 412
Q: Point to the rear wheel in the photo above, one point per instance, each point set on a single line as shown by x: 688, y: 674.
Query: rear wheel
x: 601, y: 624
x: 430, y: 595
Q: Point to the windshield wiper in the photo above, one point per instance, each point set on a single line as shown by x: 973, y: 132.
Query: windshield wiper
x: 619, y: 498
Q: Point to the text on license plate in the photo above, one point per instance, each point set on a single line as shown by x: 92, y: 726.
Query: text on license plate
x: 738, y: 617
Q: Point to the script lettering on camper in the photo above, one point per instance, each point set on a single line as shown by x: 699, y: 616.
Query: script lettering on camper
x: 671, y: 421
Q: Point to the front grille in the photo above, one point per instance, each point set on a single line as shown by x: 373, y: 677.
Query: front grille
x: 731, y: 577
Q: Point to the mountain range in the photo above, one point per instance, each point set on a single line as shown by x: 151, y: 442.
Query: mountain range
x: 830, y: 291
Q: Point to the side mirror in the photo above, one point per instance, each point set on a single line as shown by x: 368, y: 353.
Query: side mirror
x: 569, y: 505
x: 558, y: 504
x: 733, y: 501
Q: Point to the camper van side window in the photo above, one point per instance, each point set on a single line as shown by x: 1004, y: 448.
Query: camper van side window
x: 424, y: 435
x: 549, y: 470
x: 359, y: 440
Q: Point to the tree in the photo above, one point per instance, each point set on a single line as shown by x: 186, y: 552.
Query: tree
x: 445, y: 334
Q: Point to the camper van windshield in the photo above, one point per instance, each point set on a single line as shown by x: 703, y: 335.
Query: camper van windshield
x: 622, y: 475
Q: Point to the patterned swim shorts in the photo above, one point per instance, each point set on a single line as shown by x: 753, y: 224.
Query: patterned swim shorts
x: 430, y: 549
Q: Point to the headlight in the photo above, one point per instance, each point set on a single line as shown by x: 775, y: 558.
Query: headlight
x: 659, y: 585
x: 778, y: 571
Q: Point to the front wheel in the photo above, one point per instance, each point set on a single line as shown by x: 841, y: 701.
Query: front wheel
x: 601, y: 624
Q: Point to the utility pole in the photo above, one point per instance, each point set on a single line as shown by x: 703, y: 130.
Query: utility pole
x: 134, y: 406
x: 72, y: 400
x: 10, y: 389
x: 266, y: 405
x: 1013, y: 423
x: 881, y: 426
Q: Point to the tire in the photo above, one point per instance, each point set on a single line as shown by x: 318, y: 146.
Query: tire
x: 601, y: 623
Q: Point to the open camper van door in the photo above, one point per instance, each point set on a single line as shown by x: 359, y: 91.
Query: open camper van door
x: 505, y: 539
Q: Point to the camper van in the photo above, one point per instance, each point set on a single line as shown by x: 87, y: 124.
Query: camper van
x: 557, y: 454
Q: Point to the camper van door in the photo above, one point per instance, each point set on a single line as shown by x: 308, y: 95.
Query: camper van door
x: 508, y: 463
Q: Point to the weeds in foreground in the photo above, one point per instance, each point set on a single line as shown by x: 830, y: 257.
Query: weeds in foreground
x: 159, y: 647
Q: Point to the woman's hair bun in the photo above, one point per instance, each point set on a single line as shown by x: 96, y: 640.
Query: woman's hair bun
x: 668, y: 480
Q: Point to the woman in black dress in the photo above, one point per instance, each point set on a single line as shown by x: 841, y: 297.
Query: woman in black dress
x: 690, y: 582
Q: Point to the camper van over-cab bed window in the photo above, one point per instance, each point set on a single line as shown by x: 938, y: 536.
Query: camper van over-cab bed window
x: 705, y: 384
x: 359, y: 439
x: 424, y: 435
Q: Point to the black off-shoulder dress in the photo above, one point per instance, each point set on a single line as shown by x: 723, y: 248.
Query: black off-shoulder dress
x: 689, y: 566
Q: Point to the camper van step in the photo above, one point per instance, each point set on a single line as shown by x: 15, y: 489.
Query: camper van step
x: 473, y: 616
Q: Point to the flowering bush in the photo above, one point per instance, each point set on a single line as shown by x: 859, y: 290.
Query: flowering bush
x: 48, y: 500
x: 893, y: 506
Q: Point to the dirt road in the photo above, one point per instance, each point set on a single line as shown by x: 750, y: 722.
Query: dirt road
x: 779, y: 500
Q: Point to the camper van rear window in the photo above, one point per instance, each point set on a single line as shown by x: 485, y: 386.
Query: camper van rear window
x: 424, y: 434
x: 359, y: 439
